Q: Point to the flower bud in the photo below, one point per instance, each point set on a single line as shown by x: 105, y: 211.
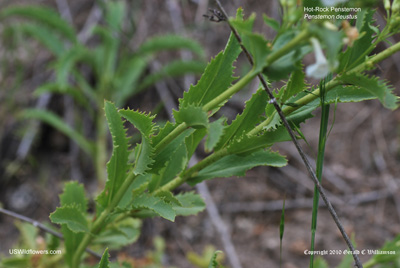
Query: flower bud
x: 386, y: 4
x: 352, y: 33
x: 395, y: 6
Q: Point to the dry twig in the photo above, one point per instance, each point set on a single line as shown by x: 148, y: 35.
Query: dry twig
x: 42, y: 227
x: 303, y: 203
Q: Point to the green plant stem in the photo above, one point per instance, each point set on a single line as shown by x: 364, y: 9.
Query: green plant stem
x: 303, y: 36
x: 236, y: 87
x: 230, y: 91
x: 246, y: 79
x: 99, y: 223
x: 323, y: 133
x: 330, y: 85
x: 171, y: 136
x: 208, y: 107
x: 179, y: 180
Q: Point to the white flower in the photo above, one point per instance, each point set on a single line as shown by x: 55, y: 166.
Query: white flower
x: 320, y: 68
x: 332, y: 2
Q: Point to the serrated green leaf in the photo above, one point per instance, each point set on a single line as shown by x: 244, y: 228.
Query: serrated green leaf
x: 339, y: 94
x: 193, y: 116
x: 378, y: 88
x: 245, y: 144
x: 74, y: 194
x: 216, y: 78
x: 104, y: 262
x: 143, y: 157
x: 295, y: 85
x: 168, y: 197
x: 275, y: 122
x: 142, y: 121
x: 168, y: 42
x: 348, y: 94
x: 155, y: 204
x: 190, y: 204
x: 173, y: 69
x: 270, y: 110
x: 213, y: 262
x: 163, y: 132
x: 44, y: 35
x: 118, y: 166
x: 235, y: 165
x: 254, y: 43
x: 245, y: 121
x: 144, y: 151
x: 192, y: 141
x: 43, y: 15
x: 281, y: 68
x: 240, y: 23
x: 176, y: 164
x: 165, y: 154
x: 138, y: 186
x: 239, y: 13
x: 59, y: 124
x: 344, y: 94
x: 301, y: 115
x: 259, y: 49
x: 71, y: 242
x: 119, y: 234
x: 353, y: 55
x: 215, y: 132
x: 72, y: 216
x: 274, y: 24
